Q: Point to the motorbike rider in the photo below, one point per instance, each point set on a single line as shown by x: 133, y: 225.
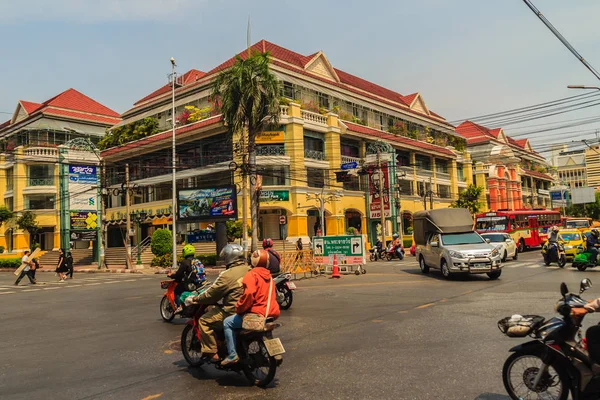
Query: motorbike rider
x: 228, y: 288
x: 397, y: 246
x: 183, y: 276
x: 592, y: 244
x: 592, y: 335
x: 553, y: 239
x: 274, y: 257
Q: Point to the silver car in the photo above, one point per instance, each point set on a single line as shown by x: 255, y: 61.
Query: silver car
x: 465, y: 252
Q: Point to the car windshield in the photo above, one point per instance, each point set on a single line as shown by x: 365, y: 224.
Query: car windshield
x: 461, y: 238
x: 494, y: 238
x: 570, y: 236
x: 578, y: 224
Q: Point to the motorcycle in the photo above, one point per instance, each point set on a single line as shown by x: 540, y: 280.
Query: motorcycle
x: 284, y: 288
x: 556, y: 362
x: 554, y: 252
x: 259, y: 352
x: 168, y: 306
x: 583, y: 261
x: 390, y: 253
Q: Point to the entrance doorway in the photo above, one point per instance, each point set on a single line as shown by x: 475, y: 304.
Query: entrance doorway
x: 313, y: 222
x: 268, y: 224
x: 353, y: 220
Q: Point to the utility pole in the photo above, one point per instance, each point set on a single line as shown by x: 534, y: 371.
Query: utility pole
x: 381, y: 202
x: 103, y: 194
x: 244, y: 199
x: 424, y: 196
x: 174, y: 165
x: 430, y: 195
x: 127, y: 212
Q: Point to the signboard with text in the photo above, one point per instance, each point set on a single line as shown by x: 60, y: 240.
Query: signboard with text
x: 84, y: 220
x: 274, y: 195
x: 374, y: 200
x: 347, y: 249
x: 83, y: 180
x: 270, y: 137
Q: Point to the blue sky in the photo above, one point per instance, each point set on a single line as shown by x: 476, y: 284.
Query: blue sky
x: 466, y: 57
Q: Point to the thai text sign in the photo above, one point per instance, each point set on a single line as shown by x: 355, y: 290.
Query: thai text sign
x: 207, y: 204
x: 348, y: 249
x: 274, y: 195
x: 270, y: 137
x: 82, y: 191
x: 84, y: 220
x: 374, y: 193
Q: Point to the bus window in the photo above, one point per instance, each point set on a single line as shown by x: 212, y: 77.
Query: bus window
x: 492, y: 224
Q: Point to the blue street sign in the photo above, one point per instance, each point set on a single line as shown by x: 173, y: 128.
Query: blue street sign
x: 349, y: 165
x: 556, y: 196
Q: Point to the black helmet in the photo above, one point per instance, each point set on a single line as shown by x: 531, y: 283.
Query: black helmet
x: 595, y: 232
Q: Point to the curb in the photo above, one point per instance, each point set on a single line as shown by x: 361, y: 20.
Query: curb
x: 86, y: 270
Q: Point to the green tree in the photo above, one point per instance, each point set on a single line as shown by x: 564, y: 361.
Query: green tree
x: 249, y: 96
x: 27, y: 222
x: 130, y: 132
x: 469, y: 199
x: 162, y: 242
x: 5, y: 214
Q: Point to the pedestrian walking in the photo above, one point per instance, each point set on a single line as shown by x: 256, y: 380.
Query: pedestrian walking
x: 26, y: 270
x: 299, y: 249
x: 69, y: 260
x: 34, y: 268
x: 62, y: 268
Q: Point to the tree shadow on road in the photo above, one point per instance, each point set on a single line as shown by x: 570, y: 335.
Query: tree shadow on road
x: 222, y: 378
x: 492, y: 396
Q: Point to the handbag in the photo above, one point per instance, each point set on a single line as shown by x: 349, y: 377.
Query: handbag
x: 256, y: 322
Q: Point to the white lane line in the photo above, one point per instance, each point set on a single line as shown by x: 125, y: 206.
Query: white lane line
x: 111, y: 282
x: 32, y: 290
x: 8, y: 292
x: 4, y: 288
x: 70, y: 286
x: 51, y: 288
x: 129, y: 280
x: 91, y: 284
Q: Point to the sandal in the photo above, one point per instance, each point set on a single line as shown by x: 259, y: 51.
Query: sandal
x: 230, y: 360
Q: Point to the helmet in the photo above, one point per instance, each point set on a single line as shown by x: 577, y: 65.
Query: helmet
x: 231, y: 253
x: 260, y: 258
x: 188, y: 250
x: 267, y: 243
x: 395, y: 235
x: 555, y: 228
x: 595, y: 232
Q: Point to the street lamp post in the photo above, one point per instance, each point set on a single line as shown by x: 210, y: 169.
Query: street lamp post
x: 173, y: 163
x: 139, y: 217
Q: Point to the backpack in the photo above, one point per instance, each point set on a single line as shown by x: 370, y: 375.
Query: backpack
x: 198, y: 273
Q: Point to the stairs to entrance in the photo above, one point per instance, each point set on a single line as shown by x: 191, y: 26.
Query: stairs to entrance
x: 80, y: 257
x: 115, y: 257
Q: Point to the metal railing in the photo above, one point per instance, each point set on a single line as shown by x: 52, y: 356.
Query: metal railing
x: 314, y: 154
x: 144, y: 244
x: 41, y: 182
x: 270, y: 150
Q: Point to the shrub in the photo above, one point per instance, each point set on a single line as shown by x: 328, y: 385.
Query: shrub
x: 207, y: 259
x: 352, y: 231
x: 1, y: 249
x: 165, y: 260
x: 162, y: 242
x: 10, y: 262
x: 407, y: 242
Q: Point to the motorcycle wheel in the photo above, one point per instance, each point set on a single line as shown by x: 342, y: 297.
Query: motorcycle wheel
x: 166, y: 311
x: 259, y: 367
x: 581, y: 267
x: 389, y: 257
x: 562, y: 261
x: 286, y: 297
x: 519, y: 372
x: 372, y: 257
x: 190, y: 347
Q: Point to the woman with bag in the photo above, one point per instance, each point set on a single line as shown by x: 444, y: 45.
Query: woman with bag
x: 62, y: 267
x: 258, y: 303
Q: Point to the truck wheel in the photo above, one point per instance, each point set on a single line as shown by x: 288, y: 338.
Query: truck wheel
x: 445, y: 270
x: 494, y: 275
x: 423, y: 266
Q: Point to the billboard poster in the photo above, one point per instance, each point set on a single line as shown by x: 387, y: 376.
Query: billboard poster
x: 82, y: 193
x: 374, y: 200
x: 347, y: 249
x: 207, y: 204
x: 84, y: 220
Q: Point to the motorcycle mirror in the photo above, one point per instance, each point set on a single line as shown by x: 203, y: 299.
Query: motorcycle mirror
x: 585, y: 285
x: 564, y: 289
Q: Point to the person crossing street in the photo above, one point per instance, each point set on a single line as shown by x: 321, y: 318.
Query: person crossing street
x: 27, y: 270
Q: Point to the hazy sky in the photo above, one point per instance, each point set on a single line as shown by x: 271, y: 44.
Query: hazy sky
x: 466, y: 57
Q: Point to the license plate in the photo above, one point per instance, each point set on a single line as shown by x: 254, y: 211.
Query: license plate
x: 291, y: 285
x: 274, y: 347
x: 480, y: 265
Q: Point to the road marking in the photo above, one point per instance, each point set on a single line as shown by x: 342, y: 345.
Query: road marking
x: 154, y: 396
x: 32, y: 290
x: 467, y: 292
x: 112, y: 282
x: 129, y: 280
x: 7, y: 292
x: 133, y: 298
x: 51, y: 288
x: 92, y: 284
x: 425, y: 305
x: 368, y: 284
x: 403, y: 312
x: 168, y: 351
x: 377, y: 320
x: 74, y: 286
x: 4, y: 288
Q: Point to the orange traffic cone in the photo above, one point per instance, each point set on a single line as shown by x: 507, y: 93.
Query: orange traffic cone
x: 335, y: 273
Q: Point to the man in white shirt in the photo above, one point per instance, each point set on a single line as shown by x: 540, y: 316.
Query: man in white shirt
x: 26, y: 270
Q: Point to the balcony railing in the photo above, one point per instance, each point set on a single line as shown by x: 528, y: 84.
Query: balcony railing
x: 348, y: 159
x: 284, y: 111
x: 43, y: 152
x: 442, y: 175
x: 314, y: 117
x: 270, y: 150
x: 41, y: 181
x: 9, y: 186
x: 314, y: 155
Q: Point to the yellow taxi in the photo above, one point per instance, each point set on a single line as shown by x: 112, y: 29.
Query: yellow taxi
x: 574, y: 240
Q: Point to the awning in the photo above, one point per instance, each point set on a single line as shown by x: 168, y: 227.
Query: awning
x: 162, y: 221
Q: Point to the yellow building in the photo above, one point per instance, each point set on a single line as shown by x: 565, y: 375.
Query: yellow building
x: 328, y: 118
x: 592, y: 165
x: 32, y: 152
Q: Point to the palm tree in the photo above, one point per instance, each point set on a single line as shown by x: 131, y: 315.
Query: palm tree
x: 249, y: 96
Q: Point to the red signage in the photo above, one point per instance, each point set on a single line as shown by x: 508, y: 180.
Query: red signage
x: 374, y: 200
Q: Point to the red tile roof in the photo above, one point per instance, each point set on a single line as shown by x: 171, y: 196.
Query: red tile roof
x: 536, y: 174
x: 29, y: 106
x: 189, y: 77
x: 296, y: 62
x: 81, y: 116
x: 162, y: 136
x: 365, y: 130
x: 6, y: 123
x: 71, y: 99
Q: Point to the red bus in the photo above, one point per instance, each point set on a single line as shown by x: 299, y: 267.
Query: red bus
x: 528, y: 228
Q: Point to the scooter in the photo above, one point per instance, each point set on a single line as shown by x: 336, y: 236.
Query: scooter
x: 259, y: 352
x: 556, y: 362
x: 390, y: 254
x: 284, y: 288
x: 168, y: 305
x: 554, y: 252
x: 583, y: 261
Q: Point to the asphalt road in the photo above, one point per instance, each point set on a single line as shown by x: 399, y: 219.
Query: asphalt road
x: 390, y: 334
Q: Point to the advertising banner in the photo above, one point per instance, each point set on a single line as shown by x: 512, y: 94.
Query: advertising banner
x: 270, y: 137
x: 211, y: 204
x: 348, y: 249
x: 84, y: 220
x: 374, y: 200
x: 85, y: 236
x: 82, y: 193
x: 274, y: 195
x: 196, y: 237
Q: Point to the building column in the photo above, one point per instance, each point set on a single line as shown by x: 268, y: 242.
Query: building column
x: 20, y: 237
x: 333, y: 150
x: 413, y: 162
x: 468, y: 168
x: 480, y: 181
x: 453, y: 171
